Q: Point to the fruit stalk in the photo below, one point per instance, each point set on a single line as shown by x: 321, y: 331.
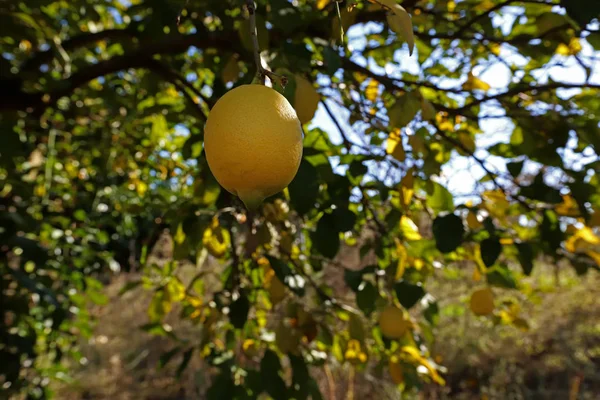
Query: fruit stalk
x: 261, y: 72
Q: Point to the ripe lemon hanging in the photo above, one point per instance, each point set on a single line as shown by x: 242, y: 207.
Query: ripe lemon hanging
x: 482, y: 302
x: 392, y: 322
x: 253, y: 143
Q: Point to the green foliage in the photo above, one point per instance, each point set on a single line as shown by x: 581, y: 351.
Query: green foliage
x: 101, y: 114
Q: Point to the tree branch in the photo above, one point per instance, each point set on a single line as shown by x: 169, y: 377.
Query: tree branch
x: 261, y: 72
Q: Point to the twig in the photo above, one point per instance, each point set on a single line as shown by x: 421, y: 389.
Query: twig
x: 339, y: 15
x: 261, y: 72
x: 347, y: 143
x: 320, y: 291
x: 181, y: 12
x: 479, y: 161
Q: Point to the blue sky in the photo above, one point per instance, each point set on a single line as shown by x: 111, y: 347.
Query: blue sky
x: 461, y: 173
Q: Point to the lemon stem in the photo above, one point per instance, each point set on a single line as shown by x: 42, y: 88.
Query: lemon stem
x: 261, y: 72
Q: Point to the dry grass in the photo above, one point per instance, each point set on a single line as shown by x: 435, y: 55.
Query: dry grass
x: 558, y: 357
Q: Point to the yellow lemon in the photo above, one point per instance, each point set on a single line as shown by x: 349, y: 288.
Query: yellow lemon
x: 392, y: 322
x: 276, y: 290
x: 482, y: 302
x: 253, y: 143
x: 396, y: 371
x: 306, y: 99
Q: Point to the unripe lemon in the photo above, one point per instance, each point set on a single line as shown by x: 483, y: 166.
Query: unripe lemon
x: 392, y: 322
x: 482, y: 302
x: 253, y: 143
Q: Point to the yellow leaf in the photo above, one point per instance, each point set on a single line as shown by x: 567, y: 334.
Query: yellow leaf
x: 409, y: 229
x: 495, y: 202
x: 406, y: 189
x: 417, y: 357
x: 506, y: 241
x: 394, y: 145
x: 141, y: 188
x: 495, y: 48
x: 595, y: 256
x: 321, y: 4
x: 372, y: 90
x: 474, y: 83
x: 573, y: 48
x: 583, y: 239
x: 306, y: 99
x: 443, y: 122
x: 468, y: 142
x: 402, y: 258
x: 568, y: 207
x: 179, y: 236
x: 472, y: 221
x: 216, y: 239
x: 399, y: 21
x: 476, y: 275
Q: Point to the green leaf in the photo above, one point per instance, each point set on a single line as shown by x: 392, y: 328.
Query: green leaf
x: 440, y: 199
x: 343, y: 219
x: 501, y: 276
x: 525, y: 256
x: 432, y: 312
x: 287, y: 276
x: 550, y: 231
x: 515, y: 168
x: 222, y: 386
x: 187, y: 356
x: 408, y: 293
x: 354, y: 278
x: 400, y: 22
x: 448, y: 232
x: 300, y: 377
x: 270, y: 368
x: 238, y: 311
x: 332, y: 60
x: 404, y: 109
x: 326, y: 239
x: 594, y: 39
x: 167, y: 356
x: 490, y: 251
x: 304, y: 189
x: 366, y: 297
x: 582, y: 11
x: 356, y: 328
x: 538, y: 190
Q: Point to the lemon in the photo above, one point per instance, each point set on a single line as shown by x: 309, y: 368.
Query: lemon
x: 482, y: 302
x: 392, y: 322
x: 306, y: 99
x: 276, y: 290
x: 253, y: 143
x: 396, y: 371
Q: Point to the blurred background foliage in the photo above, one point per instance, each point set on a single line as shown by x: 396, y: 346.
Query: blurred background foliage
x: 104, y: 182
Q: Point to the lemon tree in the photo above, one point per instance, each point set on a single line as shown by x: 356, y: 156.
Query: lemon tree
x: 318, y: 165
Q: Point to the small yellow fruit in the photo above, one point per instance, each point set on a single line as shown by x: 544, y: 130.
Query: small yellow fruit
x: 276, y: 290
x: 306, y: 99
x: 392, y: 322
x: 253, y: 143
x: 396, y: 371
x: 482, y: 302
